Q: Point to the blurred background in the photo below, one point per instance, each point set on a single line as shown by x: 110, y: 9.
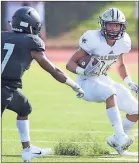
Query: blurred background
x: 65, y: 22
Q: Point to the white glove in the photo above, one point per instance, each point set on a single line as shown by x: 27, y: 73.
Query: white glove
x: 80, y: 91
x: 75, y: 87
x: 134, y: 87
x: 93, y: 67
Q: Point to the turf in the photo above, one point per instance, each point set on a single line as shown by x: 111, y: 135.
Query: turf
x: 59, y: 116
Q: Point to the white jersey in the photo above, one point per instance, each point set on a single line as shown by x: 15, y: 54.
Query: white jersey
x: 95, y: 45
x: 100, y: 87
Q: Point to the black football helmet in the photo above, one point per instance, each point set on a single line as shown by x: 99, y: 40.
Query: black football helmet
x: 26, y: 20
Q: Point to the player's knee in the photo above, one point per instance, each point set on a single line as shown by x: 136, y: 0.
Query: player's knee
x: 132, y: 108
x: 29, y: 111
x: 134, y: 111
x: 111, y: 92
x: 26, y: 110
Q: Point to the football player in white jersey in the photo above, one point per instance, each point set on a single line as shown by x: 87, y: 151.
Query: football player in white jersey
x: 108, y: 45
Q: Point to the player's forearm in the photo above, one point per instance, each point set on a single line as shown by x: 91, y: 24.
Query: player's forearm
x: 123, y: 72
x: 125, y: 75
x: 73, y: 67
x: 60, y: 76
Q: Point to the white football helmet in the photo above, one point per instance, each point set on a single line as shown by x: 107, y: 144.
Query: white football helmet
x: 113, y: 15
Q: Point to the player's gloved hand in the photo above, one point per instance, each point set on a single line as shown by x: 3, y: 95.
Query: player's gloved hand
x: 75, y: 87
x: 80, y: 91
x: 92, y: 67
x: 134, y: 87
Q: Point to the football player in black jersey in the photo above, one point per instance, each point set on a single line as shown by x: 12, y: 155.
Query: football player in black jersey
x: 19, y: 48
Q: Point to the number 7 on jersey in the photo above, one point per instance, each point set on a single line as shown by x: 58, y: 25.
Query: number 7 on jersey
x: 10, y: 48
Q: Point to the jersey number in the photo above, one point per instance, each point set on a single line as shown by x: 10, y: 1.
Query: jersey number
x: 10, y: 48
x: 104, y: 72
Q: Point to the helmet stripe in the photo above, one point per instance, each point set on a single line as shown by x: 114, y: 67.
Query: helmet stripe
x: 117, y: 15
x: 112, y: 13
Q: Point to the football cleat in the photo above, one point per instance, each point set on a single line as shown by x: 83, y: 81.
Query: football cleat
x: 33, y: 152
x: 120, y: 144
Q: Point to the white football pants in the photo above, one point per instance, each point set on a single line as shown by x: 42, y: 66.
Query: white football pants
x: 98, y: 89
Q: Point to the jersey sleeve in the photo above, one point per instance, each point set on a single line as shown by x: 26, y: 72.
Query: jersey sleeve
x: 36, y: 44
x: 85, y: 42
x: 127, y: 43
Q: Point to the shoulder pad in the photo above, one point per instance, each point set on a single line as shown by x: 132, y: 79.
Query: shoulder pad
x: 36, y: 43
x: 87, y: 41
x: 127, y: 43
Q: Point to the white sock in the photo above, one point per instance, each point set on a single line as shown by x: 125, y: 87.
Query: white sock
x: 23, y: 129
x: 115, y: 119
x: 127, y: 125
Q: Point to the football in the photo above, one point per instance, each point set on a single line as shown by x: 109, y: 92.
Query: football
x: 84, y: 61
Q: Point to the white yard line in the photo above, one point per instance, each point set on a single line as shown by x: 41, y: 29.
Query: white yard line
x: 46, y: 141
x: 39, y: 141
x: 59, y: 130
x: 135, y: 132
x: 128, y: 153
x: 120, y: 159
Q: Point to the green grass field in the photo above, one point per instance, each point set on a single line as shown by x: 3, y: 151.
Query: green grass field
x: 59, y: 116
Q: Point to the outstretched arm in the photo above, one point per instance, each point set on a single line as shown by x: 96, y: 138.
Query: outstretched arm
x: 58, y: 74
x: 48, y: 66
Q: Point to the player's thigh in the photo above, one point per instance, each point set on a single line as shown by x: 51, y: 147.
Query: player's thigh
x: 126, y: 101
x: 6, y: 97
x: 20, y: 104
x: 96, y: 91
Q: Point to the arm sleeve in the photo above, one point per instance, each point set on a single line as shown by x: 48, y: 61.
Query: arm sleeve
x: 36, y: 44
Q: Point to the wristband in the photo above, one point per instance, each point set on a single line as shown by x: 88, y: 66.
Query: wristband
x: 79, y: 70
x: 70, y: 83
x: 127, y: 80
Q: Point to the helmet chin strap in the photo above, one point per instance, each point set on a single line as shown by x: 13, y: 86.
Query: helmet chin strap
x: 112, y: 35
x: 31, y: 31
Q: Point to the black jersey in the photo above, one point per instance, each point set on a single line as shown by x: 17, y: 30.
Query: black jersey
x: 16, y: 56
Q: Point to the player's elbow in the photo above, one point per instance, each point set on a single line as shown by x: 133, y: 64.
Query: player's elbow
x: 68, y: 65
x: 71, y: 66
x: 119, y: 66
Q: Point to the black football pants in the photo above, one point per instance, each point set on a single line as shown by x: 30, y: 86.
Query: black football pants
x: 16, y: 101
